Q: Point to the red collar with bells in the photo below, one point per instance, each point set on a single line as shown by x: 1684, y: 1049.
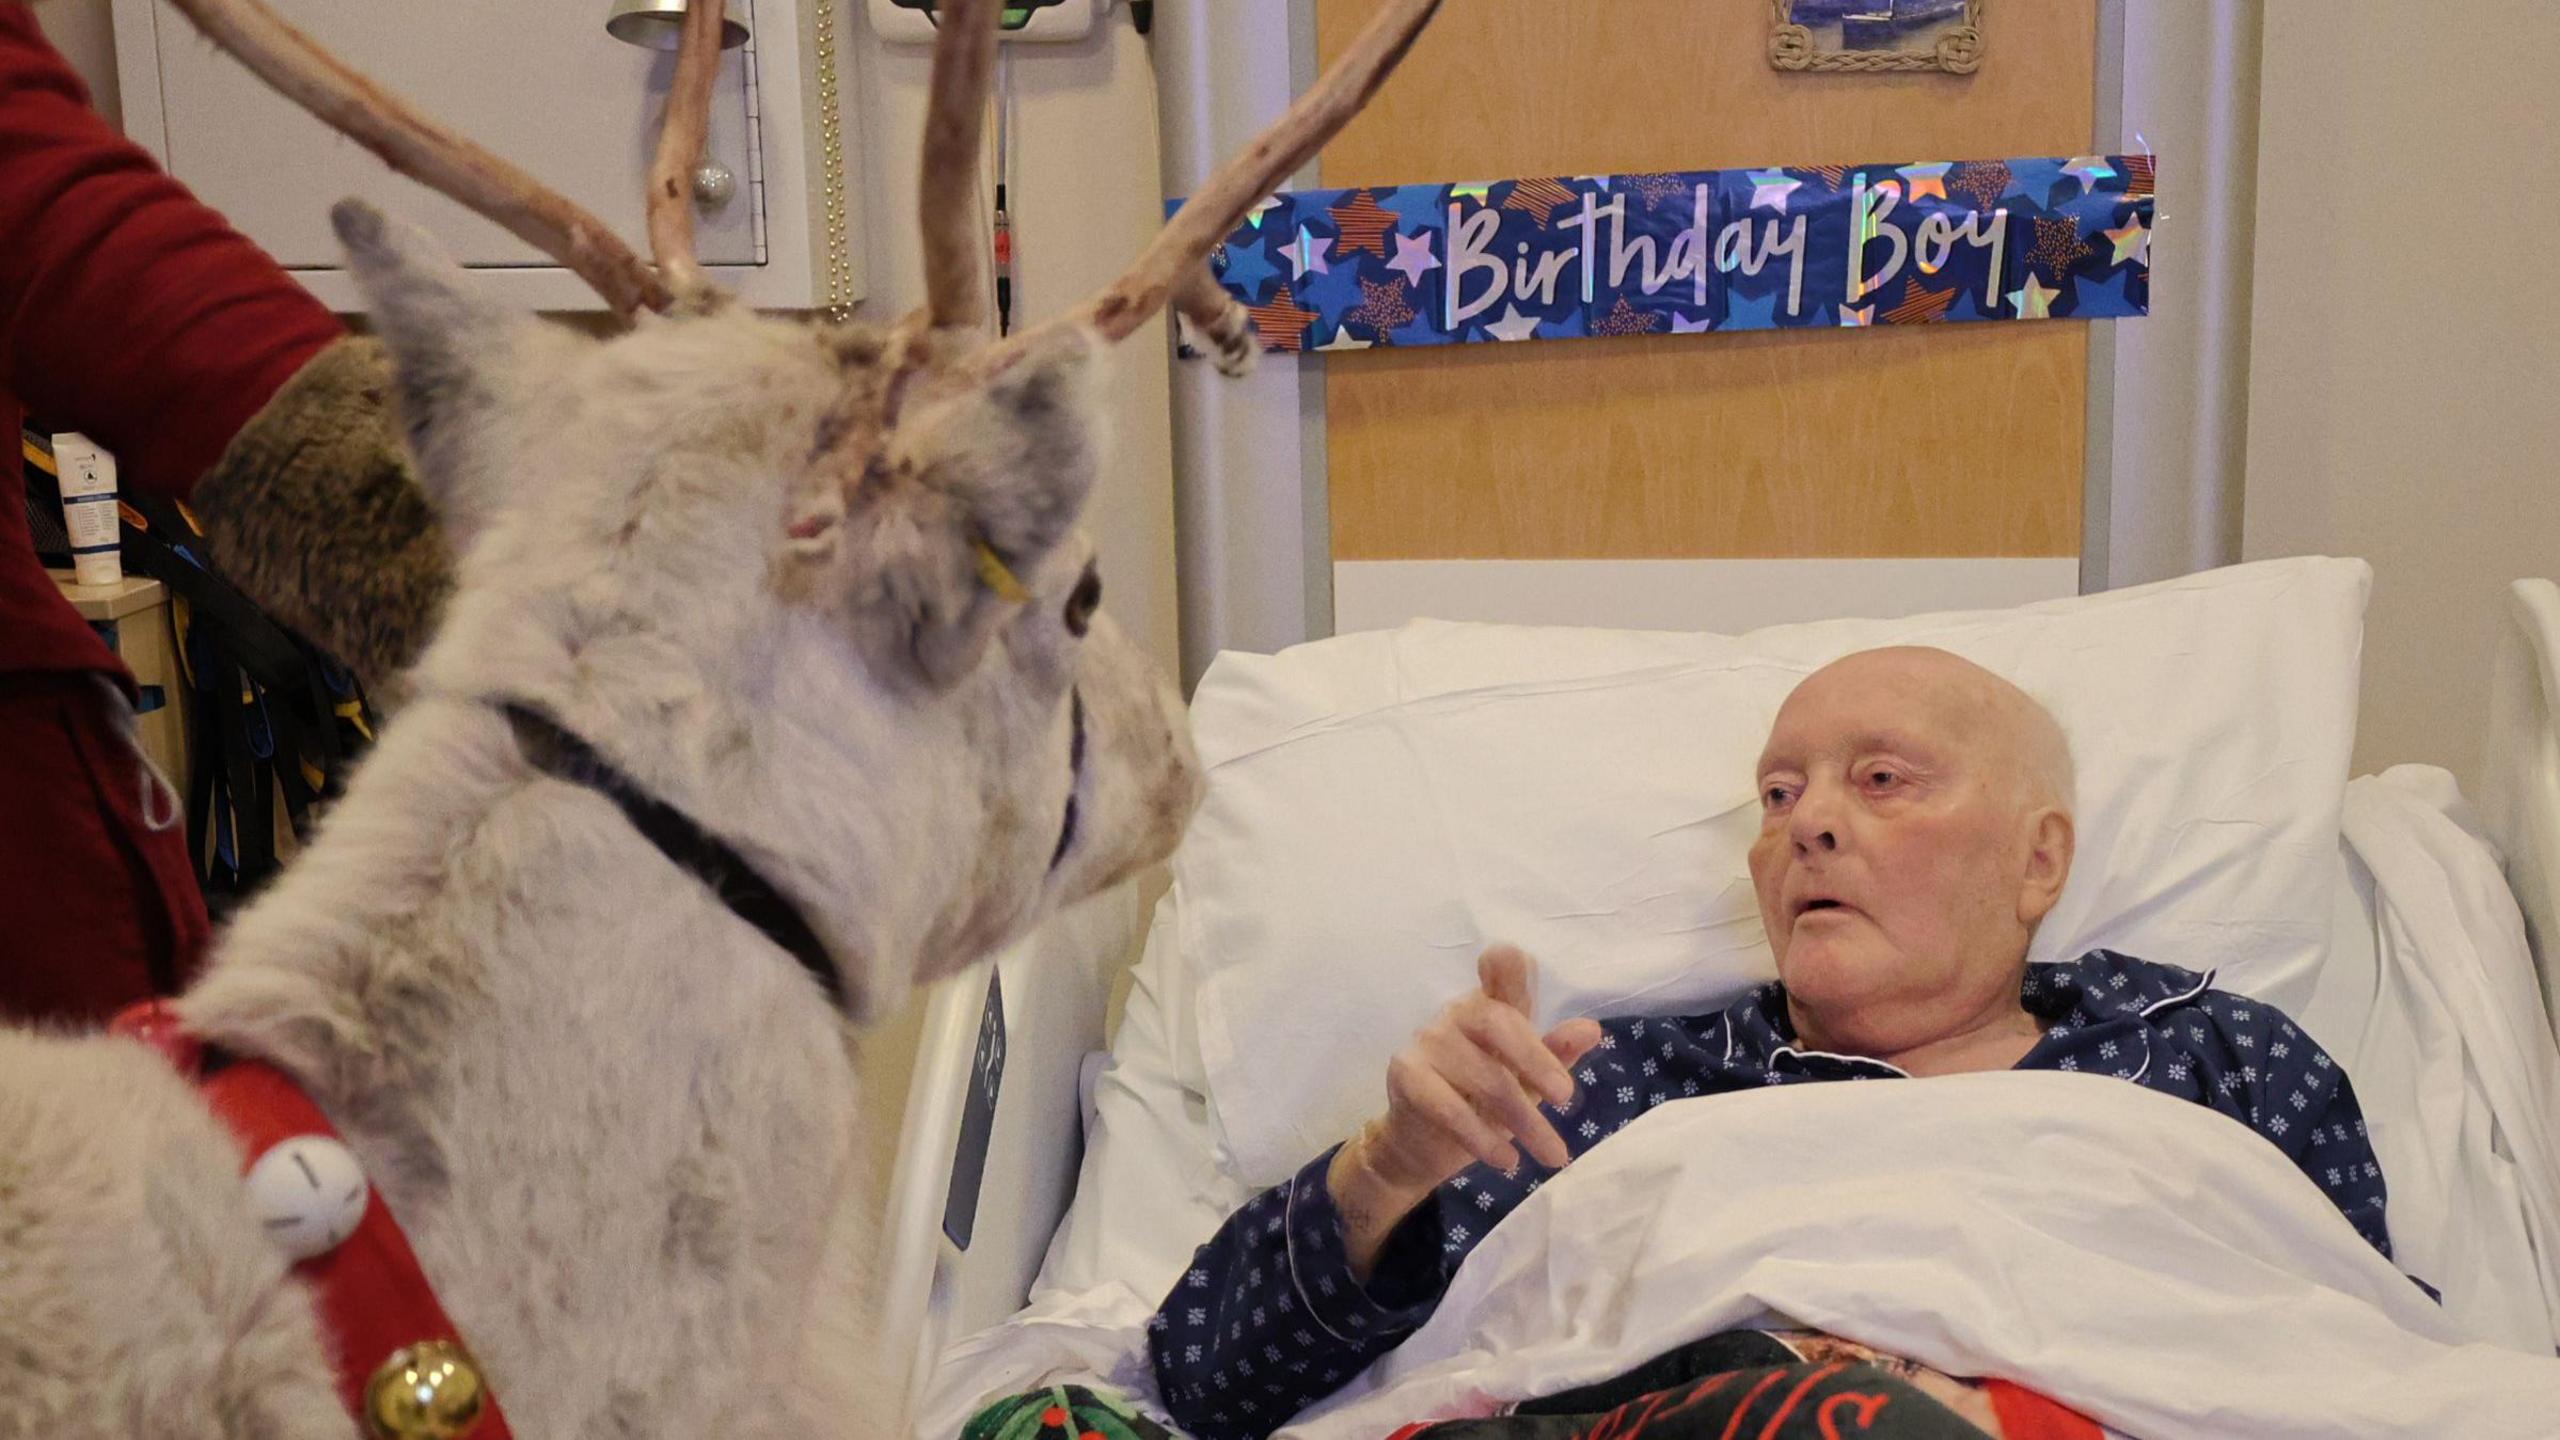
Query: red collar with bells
x: 401, y: 1363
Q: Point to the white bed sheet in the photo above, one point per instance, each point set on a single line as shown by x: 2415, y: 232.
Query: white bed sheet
x: 2467, y: 1146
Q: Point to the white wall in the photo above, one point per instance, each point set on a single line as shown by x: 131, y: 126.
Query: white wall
x: 2405, y: 372
x: 81, y: 31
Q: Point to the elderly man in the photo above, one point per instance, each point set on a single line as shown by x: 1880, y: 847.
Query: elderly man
x: 1916, y: 827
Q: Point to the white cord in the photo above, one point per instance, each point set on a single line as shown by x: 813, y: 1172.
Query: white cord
x: 157, y: 791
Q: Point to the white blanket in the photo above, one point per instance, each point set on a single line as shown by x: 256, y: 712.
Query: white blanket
x: 2458, y: 1027
x: 2143, y: 1259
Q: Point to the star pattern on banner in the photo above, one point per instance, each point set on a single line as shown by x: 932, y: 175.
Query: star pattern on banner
x: 1625, y: 320
x: 1922, y: 306
x: 1363, y: 225
x: 1282, y: 321
x: 1317, y: 271
x: 1420, y: 332
x: 1382, y: 308
x: 1927, y: 181
x: 1306, y: 253
x: 1981, y: 181
x: 1744, y: 313
x: 2132, y: 241
x: 1654, y: 189
x: 1414, y: 258
x: 2141, y: 177
x: 1540, y: 199
x: 2105, y: 297
x: 2058, y: 245
x: 1771, y: 188
x: 2089, y: 170
x: 1261, y: 207
x: 2034, y: 180
x: 1248, y: 266
x: 1417, y: 206
x: 1332, y: 292
x: 2034, y: 300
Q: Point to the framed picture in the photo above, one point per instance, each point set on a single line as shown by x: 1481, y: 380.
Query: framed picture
x: 1876, y: 36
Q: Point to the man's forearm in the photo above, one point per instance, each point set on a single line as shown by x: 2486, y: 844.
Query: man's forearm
x: 1372, y: 1200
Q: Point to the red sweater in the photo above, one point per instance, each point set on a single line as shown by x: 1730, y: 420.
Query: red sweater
x: 135, y: 315
x: 128, y: 312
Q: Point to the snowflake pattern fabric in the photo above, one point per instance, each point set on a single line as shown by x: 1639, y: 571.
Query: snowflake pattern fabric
x: 1268, y: 1319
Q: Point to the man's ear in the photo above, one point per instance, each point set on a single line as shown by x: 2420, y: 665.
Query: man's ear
x: 969, y: 499
x: 2050, y: 838
x: 448, y: 345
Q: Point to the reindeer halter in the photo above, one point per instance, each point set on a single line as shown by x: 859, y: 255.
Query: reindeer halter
x: 557, y: 752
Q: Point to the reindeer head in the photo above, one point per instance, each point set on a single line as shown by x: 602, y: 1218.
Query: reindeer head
x: 819, y: 587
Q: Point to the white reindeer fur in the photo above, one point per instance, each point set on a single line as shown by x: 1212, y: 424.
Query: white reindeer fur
x: 618, y: 1125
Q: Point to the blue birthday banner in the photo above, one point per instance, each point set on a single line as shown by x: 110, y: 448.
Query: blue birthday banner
x: 1713, y: 250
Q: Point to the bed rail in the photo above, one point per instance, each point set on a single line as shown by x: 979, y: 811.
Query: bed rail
x: 1057, y: 987
x: 2520, y: 782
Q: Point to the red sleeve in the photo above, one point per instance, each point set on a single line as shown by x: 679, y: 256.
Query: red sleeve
x: 128, y: 310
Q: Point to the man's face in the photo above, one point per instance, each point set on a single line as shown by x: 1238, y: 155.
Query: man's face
x: 1896, y: 863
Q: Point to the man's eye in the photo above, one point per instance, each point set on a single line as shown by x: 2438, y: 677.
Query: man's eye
x: 1883, y: 779
x: 1775, y: 796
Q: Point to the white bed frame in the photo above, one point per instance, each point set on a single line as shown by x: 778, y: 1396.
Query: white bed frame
x: 1058, y: 986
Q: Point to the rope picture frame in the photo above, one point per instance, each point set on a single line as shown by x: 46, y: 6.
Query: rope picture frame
x: 1793, y: 45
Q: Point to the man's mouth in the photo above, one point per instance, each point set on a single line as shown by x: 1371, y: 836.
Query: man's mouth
x: 1818, y: 904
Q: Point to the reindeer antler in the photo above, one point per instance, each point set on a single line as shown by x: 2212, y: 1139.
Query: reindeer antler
x: 1174, y: 265
x: 423, y: 150
x: 680, y: 140
x: 964, y: 65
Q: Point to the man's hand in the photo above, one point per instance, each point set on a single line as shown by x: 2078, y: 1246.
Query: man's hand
x: 1466, y: 1088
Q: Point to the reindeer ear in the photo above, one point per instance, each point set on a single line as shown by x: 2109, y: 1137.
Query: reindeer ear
x: 447, y: 344
x: 974, y: 493
x: 1017, y: 454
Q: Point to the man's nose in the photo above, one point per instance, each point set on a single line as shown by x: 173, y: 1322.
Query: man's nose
x: 1814, y: 824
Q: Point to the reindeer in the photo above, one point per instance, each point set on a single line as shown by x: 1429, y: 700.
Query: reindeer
x: 773, y: 685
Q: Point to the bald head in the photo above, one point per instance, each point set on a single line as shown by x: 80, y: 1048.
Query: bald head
x: 2008, y: 730
x: 1915, y: 830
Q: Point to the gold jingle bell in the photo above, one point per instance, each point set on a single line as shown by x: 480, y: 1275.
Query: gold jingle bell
x: 428, y: 1391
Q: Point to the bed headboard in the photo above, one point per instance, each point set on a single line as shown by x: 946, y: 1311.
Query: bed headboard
x: 2520, y: 783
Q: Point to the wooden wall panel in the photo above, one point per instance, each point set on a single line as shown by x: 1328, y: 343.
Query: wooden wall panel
x: 1925, y: 441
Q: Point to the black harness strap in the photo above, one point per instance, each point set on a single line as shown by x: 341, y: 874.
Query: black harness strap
x: 563, y: 756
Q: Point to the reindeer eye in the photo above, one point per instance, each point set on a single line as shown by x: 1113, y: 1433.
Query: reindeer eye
x: 1086, y: 599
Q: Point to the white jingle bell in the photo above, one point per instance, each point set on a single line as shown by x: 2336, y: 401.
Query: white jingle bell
x: 309, y: 1193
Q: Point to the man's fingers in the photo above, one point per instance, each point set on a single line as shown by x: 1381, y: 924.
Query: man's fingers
x: 1417, y: 1085
x: 1541, y: 1140
x: 1496, y: 1093
x: 1504, y: 1033
x: 1504, y: 972
x: 1572, y: 1040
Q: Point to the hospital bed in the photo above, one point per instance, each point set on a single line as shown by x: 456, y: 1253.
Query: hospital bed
x: 1027, y: 1144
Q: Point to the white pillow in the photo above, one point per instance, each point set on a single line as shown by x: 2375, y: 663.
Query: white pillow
x: 1382, y: 805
